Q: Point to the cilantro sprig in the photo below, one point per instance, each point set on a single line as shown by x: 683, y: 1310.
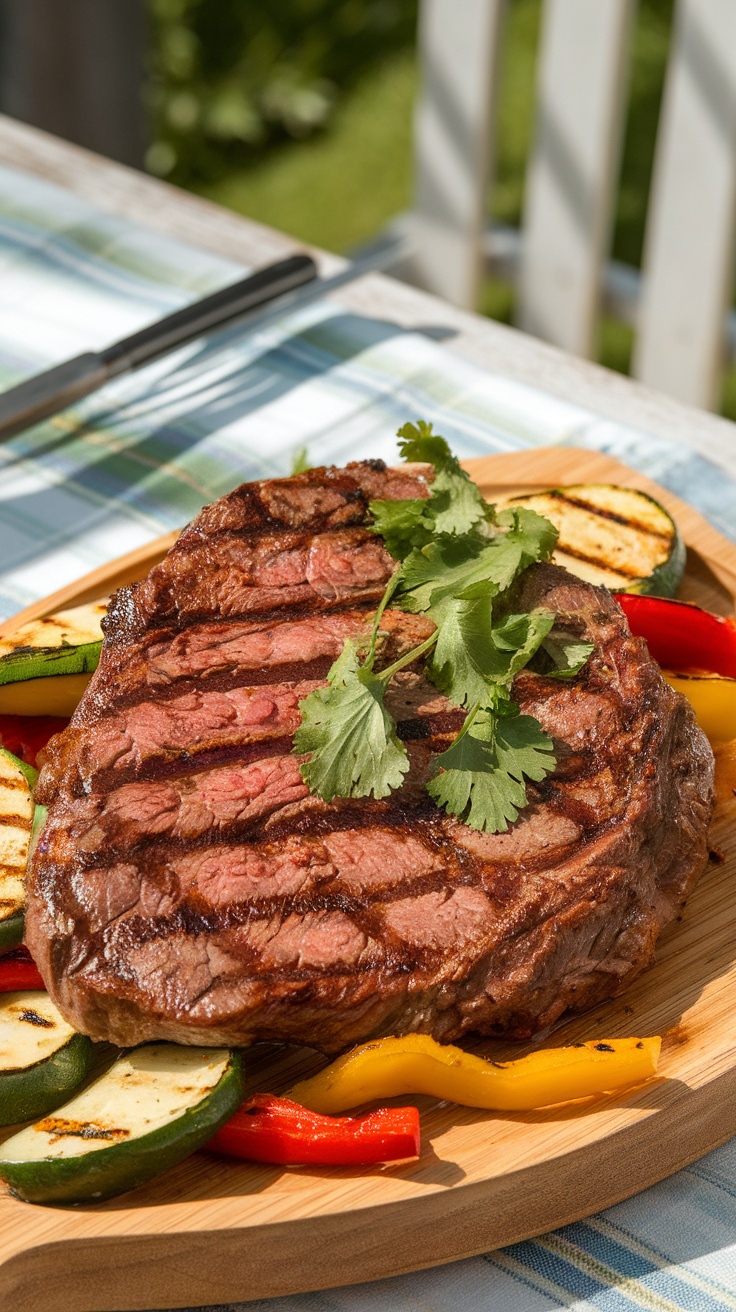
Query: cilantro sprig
x: 457, y: 561
x: 482, y: 776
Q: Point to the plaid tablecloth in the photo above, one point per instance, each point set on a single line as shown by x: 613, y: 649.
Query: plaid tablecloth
x: 143, y: 455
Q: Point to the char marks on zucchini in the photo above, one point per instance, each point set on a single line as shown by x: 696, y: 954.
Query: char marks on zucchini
x: 150, y: 1109
x: 187, y: 887
x: 614, y: 536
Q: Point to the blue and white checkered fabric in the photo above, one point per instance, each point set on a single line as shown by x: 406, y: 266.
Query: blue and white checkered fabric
x: 143, y: 455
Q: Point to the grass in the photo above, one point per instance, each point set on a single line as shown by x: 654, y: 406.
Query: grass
x: 340, y: 188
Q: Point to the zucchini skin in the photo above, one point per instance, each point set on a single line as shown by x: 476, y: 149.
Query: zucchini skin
x: 82, y: 659
x: 11, y: 932
x: 29, y: 772
x: 107, y: 1172
x: 666, y: 578
x: 36, y: 1090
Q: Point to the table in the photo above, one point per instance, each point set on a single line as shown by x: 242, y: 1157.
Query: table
x: 672, y: 1246
x: 158, y: 205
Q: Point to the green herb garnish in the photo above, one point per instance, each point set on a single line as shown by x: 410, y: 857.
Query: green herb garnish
x: 457, y: 560
x: 482, y: 775
x: 300, y: 461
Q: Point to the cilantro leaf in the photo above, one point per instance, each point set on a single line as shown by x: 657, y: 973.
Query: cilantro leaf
x: 568, y: 655
x: 529, y: 537
x: 517, y: 638
x: 473, y: 566
x: 351, y: 737
x: 300, y: 461
x: 457, y: 560
x: 445, y: 568
x: 455, y: 504
x: 535, y: 535
x: 523, y: 748
x: 473, y: 658
x: 481, y: 777
x: 403, y: 525
x: 459, y: 666
x: 418, y: 442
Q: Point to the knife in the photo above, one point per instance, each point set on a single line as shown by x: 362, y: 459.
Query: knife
x: 52, y: 390
x: 261, y: 298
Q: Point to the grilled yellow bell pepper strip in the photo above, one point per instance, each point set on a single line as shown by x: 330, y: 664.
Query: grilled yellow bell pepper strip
x: 388, y: 1068
x: 713, y: 699
x: 59, y: 694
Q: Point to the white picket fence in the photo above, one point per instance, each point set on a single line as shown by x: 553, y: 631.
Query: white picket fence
x: 559, y: 260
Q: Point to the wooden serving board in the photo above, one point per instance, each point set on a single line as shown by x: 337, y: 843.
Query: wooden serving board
x: 214, y: 1231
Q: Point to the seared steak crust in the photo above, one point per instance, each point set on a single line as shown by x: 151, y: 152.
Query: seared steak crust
x: 187, y: 887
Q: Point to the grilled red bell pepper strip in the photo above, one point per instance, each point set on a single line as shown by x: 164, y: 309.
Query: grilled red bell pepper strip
x: 680, y: 636
x: 26, y: 735
x: 270, y: 1129
x: 18, y: 970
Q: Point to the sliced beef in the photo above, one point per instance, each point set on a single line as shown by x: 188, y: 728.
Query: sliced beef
x: 213, y: 654
x: 317, y: 500
x: 187, y: 887
x: 236, y: 577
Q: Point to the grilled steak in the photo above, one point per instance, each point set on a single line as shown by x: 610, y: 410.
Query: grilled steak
x: 187, y: 887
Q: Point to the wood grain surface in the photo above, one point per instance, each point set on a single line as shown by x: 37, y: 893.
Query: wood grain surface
x: 214, y: 1231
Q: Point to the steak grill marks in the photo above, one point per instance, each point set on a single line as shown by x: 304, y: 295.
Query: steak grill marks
x: 187, y: 887
x: 229, y: 802
x: 234, y: 653
x: 234, y: 577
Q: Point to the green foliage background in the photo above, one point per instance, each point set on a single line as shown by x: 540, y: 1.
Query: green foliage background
x: 299, y: 114
x: 233, y: 79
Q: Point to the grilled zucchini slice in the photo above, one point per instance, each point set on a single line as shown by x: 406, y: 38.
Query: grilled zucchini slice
x: 42, y: 1059
x: 62, y: 650
x: 614, y: 536
x: 16, y: 822
x: 154, y: 1106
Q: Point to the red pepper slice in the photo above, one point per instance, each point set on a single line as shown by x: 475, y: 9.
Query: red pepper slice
x: 680, y: 636
x: 26, y: 735
x: 276, y: 1130
x: 18, y: 970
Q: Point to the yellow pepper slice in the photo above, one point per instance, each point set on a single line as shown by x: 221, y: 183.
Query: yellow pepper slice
x: 56, y: 694
x: 387, y: 1068
x: 713, y: 698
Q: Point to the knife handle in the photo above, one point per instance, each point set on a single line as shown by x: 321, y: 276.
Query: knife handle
x: 210, y: 312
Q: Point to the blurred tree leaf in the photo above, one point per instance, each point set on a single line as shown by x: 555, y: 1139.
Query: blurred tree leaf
x: 230, y: 79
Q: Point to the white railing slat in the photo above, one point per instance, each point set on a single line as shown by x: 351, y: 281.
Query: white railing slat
x: 573, y: 168
x: 458, y: 45
x: 689, y: 246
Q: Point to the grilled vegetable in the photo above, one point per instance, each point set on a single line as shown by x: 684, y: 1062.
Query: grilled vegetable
x: 16, y: 820
x: 387, y: 1068
x: 268, y: 1129
x: 701, y: 650
x: 62, y: 649
x: 153, y: 1107
x: 18, y: 970
x: 27, y: 735
x: 42, y: 1059
x: 712, y: 698
x: 683, y: 637
x: 613, y: 536
x: 725, y: 759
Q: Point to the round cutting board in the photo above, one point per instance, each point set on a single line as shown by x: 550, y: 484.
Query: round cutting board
x: 214, y: 1231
